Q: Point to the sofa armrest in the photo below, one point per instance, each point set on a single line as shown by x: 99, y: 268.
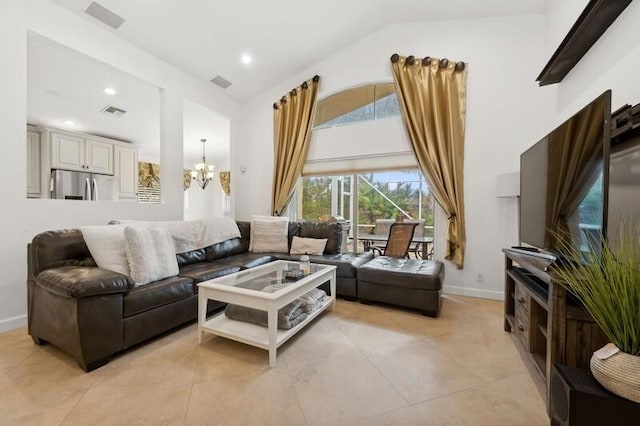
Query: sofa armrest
x: 83, y: 281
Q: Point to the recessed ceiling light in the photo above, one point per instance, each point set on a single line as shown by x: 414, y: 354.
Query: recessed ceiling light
x: 69, y: 123
x: 246, y: 59
x: 109, y: 90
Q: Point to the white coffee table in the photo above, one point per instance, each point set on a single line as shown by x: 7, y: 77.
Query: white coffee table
x: 245, y: 288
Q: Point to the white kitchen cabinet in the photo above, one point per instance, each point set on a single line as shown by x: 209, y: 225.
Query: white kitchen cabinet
x: 33, y: 164
x: 67, y: 152
x: 71, y: 152
x: 99, y: 156
x: 126, y: 170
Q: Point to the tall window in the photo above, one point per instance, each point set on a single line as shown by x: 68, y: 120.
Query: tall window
x: 382, y: 197
x: 365, y: 103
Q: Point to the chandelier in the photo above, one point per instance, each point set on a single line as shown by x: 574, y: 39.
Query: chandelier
x: 203, y: 174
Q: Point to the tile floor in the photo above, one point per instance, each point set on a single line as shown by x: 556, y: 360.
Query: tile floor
x: 357, y: 365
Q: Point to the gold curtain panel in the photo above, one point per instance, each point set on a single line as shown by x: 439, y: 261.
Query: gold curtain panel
x: 432, y: 97
x: 292, y: 117
x: 225, y: 182
x: 186, y: 179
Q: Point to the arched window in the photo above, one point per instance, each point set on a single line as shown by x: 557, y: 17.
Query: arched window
x: 364, y: 103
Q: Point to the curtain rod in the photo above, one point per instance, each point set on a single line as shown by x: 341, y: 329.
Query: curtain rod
x: 426, y: 61
x: 294, y: 91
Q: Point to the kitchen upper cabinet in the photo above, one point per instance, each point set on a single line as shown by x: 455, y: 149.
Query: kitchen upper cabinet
x: 70, y: 152
x: 33, y: 164
x: 126, y: 169
x: 67, y: 152
x: 99, y: 156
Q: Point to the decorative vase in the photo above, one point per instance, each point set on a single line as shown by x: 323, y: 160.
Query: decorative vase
x: 620, y: 373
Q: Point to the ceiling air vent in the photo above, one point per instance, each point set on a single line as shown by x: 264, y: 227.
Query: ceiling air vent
x: 221, y: 81
x: 104, y: 15
x: 111, y: 110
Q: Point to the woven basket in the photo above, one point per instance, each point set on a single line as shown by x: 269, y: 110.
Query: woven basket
x: 620, y: 373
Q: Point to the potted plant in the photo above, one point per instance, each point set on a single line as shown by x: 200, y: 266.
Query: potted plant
x: 607, y: 283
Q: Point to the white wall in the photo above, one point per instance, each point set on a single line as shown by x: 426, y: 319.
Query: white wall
x: 21, y: 218
x: 506, y: 113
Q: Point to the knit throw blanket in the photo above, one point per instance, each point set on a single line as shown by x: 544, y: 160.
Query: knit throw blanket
x: 191, y: 235
x: 288, y: 316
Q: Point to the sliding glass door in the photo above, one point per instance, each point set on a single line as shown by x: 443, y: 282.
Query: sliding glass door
x: 379, y: 198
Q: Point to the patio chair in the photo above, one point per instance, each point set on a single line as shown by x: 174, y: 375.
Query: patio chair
x: 416, y: 248
x: 400, y: 235
x: 382, y: 227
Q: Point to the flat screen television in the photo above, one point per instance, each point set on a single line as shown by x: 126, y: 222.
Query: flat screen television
x: 564, y: 181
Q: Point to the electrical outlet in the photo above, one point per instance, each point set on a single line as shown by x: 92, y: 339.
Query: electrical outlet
x: 480, y: 277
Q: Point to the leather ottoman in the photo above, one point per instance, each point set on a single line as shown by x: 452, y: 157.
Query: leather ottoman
x: 410, y: 283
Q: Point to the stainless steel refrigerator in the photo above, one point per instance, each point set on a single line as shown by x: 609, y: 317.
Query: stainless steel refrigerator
x: 68, y: 185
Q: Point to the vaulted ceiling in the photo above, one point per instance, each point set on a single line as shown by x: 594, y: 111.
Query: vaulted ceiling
x: 206, y: 38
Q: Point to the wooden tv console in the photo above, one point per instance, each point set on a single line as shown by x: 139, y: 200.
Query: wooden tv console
x: 551, y: 326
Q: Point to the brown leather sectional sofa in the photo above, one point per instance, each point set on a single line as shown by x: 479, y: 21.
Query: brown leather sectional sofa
x: 93, y: 313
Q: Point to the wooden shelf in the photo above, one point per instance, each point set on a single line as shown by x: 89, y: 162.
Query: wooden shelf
x: 594, y: 20
x: 540, y: 363
x: 256, y: 335
x: 511, y: 320
x: 543, y: 329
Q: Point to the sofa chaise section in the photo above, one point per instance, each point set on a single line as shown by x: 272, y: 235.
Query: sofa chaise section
x: 409, y: 283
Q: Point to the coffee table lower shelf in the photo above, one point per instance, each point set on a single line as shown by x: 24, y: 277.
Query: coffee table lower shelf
x: 253, y: 334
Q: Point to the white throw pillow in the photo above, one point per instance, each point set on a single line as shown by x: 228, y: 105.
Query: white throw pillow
x: 107, y: 246
x: 269, y: 234
x: 151, y: 254
x: 301, y: 245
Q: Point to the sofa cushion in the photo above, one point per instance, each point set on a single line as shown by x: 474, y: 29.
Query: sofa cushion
x: 227, y: 248
x: 193, y: 256
x: 330, y: 230
x: 155, y: 294
x: 151, y: 254
x: 204, y: 271
x: 246, y: 260
x: 52, y: 249
x: 345, y: 263
x: 293, y: 231
x: 406, y: 273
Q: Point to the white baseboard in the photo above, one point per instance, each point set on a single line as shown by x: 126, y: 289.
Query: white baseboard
x: 473, y: 292
x: 13, y: 323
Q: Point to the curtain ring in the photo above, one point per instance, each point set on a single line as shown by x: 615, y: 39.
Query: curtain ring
x: 305, y: 85
x: 444, y: 62
x: 283, y: 100
x: 275, y: 105
x: 460, y: 66
x: 426, y: 61
x: 294, y: 92
x: 411, y: 59
x: 316, y: 78
x: 394, y: 58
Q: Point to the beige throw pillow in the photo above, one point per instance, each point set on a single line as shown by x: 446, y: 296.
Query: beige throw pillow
x: 150, y: 253
x: 269, y: 234
x: 301, y: 245
x: 107, y: 246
